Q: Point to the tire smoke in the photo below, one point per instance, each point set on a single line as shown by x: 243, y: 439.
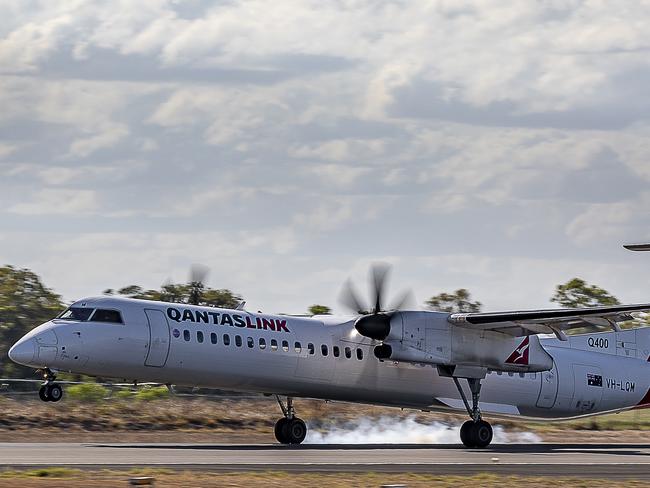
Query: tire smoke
x: 391, y: 430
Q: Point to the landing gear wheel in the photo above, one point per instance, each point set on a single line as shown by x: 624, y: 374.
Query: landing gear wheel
x: 297, y: 430
x: 481, y: 434
x: 54, y: 392
x: 42, y: 393
x: 475, y: 432
x: 465, y: 433
x: 281, y: 430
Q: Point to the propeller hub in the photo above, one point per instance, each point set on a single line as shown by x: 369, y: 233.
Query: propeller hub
x: 375, y: 326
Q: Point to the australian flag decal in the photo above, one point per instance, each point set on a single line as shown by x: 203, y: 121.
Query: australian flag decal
x: 594, y: 380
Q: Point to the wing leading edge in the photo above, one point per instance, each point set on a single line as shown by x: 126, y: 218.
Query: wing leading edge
x: 553, y: 321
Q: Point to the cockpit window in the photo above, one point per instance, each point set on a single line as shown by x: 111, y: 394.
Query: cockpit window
x: 102, y: 315
x: 76, y: 313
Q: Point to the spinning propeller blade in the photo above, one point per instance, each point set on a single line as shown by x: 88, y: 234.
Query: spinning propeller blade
x: 198, y: 274
x: 376, y: 322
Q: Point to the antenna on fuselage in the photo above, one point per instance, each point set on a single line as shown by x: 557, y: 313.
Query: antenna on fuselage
x: 637, y: 247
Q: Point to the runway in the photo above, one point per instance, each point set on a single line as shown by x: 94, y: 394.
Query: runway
x: 586, y: 460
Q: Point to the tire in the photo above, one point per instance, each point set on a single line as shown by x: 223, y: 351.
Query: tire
x: 42, y: 393
x: 54, y: 392
x: 297, y: 431
x: 481, y: 434
x: 466, y: 433
x: 282, y: 431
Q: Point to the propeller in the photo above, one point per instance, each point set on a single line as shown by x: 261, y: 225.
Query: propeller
x: 374, y: 323
x: 198, y: 274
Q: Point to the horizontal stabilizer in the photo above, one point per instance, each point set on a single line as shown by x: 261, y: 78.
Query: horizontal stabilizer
x: 637, y: 247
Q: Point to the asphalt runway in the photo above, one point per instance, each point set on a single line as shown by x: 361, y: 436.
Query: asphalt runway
x: 585, y: 460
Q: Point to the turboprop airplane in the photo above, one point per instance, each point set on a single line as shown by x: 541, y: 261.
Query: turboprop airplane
x: 518, y: 363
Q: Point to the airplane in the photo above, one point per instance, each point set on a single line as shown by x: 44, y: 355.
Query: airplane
x: 507, y: 364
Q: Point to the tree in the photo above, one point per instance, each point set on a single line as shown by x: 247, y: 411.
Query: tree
x: 458, y: 301
x: 320, y: 310
x: 576, y: 293
x: 25, y: 302
x: 181, y: 293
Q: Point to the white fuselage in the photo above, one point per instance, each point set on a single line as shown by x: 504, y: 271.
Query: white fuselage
x: 238, y: 350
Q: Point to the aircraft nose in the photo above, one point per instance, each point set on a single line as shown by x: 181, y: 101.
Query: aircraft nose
x: 23, y: 351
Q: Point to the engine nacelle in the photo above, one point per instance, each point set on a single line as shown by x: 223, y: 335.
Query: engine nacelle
x: 406, y: 354
x: 428, y: 338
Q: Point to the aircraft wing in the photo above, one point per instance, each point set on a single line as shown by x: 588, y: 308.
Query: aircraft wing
x: 554, y: 321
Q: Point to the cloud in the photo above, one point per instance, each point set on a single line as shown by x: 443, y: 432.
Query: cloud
x: 58, y: 202
x: 492, y: 146
x: 86, y: 146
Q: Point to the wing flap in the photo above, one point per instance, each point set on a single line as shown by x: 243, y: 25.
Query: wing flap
x: 553, y: 321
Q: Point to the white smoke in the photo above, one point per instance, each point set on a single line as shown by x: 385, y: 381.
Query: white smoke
x: 391, y: 430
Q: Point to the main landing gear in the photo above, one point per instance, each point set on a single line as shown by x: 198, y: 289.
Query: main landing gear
x: 50, y: 391
x: 476, y: 432
x: 289, y: 429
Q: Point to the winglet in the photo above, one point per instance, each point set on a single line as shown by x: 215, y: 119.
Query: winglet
x: 637, y: 247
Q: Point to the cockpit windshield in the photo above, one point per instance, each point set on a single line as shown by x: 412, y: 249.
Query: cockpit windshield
x: 76, y: 313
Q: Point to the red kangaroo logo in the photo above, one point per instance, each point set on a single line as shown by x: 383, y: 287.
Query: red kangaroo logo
x: 520, y: 355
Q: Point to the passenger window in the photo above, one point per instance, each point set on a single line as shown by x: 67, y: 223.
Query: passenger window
x: 238, y: 340
x: 297, y: 347
x: 250, y: 342
x: 262, y: 343
x: 285, y: 346
x: 274, y: 345
x: 112, y: 316
x: 213, y: 337
x: 199, y: 336
x: 311, y: 349
x: 348, y: 352
x: 336, y: 351
x: 226, y: 340
x: 186, y: 335
x: 359, y: 353
x: 323, y: 349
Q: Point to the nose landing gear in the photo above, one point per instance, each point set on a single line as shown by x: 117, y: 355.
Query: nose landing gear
x: 50, y: 391
x: 289, y: 429
x: 475, y: 433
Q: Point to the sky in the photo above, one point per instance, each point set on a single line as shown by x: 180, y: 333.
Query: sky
x: 503, y: 146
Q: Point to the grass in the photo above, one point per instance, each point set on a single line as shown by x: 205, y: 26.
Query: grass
x: 283, y: 479
x: 51, y: 472
x: 224, y: 419
x: 630, y: 420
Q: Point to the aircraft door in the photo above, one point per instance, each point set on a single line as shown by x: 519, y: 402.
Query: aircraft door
x: 588, y: 388
x: 548, y: 388
x: 159, y: 338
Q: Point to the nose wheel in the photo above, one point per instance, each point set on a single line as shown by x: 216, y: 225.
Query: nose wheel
x: 289, y: 429
x: 475, y: 433
x: 50, y: 391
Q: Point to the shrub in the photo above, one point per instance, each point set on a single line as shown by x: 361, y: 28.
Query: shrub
x: 123, y: 394
x: 152, y: 393
x: 87, y: 392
